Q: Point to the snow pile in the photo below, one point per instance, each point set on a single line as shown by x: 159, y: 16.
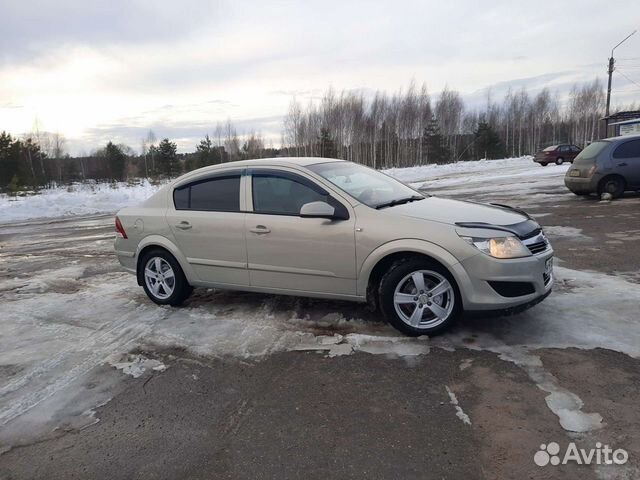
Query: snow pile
x: 76, y: 199
x: 430, y: 172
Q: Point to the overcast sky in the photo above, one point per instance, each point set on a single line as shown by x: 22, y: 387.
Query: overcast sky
x: 100, y: 70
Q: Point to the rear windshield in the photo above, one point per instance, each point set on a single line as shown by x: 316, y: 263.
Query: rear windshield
x: 592, y: 150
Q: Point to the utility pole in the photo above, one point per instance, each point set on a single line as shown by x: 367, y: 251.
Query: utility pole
x: 610, y: 72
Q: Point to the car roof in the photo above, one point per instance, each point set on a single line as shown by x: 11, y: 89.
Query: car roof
x: 275, y: 161
x: 619, y: 138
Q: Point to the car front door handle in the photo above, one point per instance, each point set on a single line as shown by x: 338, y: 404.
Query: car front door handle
x: 260, y: 230
x: 183, y: 225
x: 623, y: 164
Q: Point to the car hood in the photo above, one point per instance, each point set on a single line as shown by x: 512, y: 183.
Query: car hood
x: 467, y: 214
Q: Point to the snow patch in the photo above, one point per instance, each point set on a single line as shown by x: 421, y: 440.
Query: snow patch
x: 459, y: 412
x: 338, y: 345
x: 137, y: 365
x: 569, y: 232
x: 76, y: 199
x: 566, y: 405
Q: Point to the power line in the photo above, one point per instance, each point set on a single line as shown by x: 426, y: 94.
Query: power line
x: 632, y: 81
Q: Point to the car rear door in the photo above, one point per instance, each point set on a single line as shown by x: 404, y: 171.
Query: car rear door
x: 288, y: 252
x: 208, y: 224
x: 626, y: 162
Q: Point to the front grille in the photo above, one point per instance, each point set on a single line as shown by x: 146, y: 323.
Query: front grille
x: 538, y: 244
x: 538, y: 247
x: 547, y: 278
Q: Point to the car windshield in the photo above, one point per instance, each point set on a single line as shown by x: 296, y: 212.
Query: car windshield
x: 368, y: 186
x: 592, y: 150
x: 551, y: 148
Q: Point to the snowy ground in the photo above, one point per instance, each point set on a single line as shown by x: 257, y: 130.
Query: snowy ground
x: 73, y: 325
x: 74, y: 200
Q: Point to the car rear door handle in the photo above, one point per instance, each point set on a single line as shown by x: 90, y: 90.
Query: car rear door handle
x: 183, y: 225
x: 623, y: 164
x: 260, y: 229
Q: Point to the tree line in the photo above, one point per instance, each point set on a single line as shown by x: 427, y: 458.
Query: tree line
x: 409, y: 128
x: 405, y: 128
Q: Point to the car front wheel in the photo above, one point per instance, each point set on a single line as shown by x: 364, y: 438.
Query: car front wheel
x: 163, y: 279
x: 559, y: 161
x: 419, y: 297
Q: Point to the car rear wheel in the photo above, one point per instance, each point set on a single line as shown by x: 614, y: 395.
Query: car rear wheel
x: 559, y: 161
x: 613, y: 185
x: 419, y: 297
x: 163, y: 279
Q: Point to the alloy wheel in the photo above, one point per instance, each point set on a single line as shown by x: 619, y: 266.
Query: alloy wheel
x: 424, y: 299
x: 159, y: 277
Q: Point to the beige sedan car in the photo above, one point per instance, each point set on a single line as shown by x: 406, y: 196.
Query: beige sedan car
x: 333, y: 229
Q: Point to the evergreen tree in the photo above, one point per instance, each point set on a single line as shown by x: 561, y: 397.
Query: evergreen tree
x: 117, y: 161
x: 434, y: 149
x: 204, y: 152
x: 328, y: 147
x: 8, y: 159
x: 487, y: 142
x: 167, y: 161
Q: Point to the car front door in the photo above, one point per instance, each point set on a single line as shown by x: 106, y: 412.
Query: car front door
x: 289, y: 252
x: 207, y: 222
x: 626, y: 162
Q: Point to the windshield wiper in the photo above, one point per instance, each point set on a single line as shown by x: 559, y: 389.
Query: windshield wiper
x: 399, y: 201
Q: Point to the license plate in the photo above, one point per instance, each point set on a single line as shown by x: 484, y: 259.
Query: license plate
x: 574, y: 173
x: 548, y: 266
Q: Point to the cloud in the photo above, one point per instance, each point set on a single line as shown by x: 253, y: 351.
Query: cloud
x: 185, y: 133
x: 93, y: 69
x: 31, y: 27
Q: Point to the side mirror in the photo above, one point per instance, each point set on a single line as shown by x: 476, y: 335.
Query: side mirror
x: 317, y: 210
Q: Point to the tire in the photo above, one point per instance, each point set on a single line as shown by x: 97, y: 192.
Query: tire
x: 614, y: 185
x: 559, y: 161
x: 171, y: 286
x: 415, y: 313
x: 544, y: 164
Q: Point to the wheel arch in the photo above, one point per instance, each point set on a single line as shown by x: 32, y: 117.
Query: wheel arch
x: 152, y: 242
x: 609, y: 176
x: 378, y: 261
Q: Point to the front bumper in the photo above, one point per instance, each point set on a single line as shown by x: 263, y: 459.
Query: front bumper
x: 478, y: 295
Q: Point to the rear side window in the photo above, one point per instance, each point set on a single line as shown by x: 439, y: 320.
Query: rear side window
x: 592, y: 150
x: 218, y: 194
x: 628, y: 150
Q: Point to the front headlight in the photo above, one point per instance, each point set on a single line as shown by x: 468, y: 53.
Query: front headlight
x: 500, y: 247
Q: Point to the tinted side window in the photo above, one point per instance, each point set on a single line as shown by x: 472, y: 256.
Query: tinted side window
x: 283, y: 193
x: 219, y: 194
x: 628, y: 150
x: 181, y: 198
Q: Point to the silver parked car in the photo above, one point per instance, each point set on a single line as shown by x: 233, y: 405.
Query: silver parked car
x: 333, y: 229
x: 611, y: 165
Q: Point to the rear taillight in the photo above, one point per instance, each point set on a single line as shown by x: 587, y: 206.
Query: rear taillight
x: 120, y: 229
